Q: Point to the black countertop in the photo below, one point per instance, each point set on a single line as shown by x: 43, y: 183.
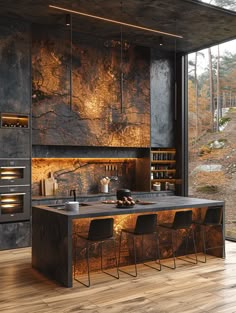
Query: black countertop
x: 96, y: 209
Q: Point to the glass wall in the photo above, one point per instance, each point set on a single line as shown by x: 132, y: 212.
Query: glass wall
x: 212, y: 127
x: 225, y: 4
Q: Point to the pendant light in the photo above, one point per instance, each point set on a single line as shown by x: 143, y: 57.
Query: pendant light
x: 69, y: 24
x: 121, y: 65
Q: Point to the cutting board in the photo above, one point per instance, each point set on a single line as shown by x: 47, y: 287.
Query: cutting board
x: 49, y: 186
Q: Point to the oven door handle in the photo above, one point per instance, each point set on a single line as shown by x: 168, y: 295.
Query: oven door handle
x: 13, y: 194
x: 8, y: 167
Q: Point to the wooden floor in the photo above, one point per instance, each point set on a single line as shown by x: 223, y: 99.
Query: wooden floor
x: 209, y: 287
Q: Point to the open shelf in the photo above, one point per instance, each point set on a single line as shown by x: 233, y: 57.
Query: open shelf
x: 10, y: 120
x: 163, y: 169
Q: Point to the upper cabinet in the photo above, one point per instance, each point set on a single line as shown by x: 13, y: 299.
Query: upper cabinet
x: 15, y: 89
x: 102, y: 103
x: 15, y: 67
x: 162, y: 99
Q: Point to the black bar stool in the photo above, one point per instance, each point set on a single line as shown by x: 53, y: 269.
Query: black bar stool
x: 100, y: 231
x: 212, y: 219
x: 181, y: 227
x: 145, y: 225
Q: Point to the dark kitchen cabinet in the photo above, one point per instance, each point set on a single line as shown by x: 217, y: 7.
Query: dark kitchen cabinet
x: 15, y: 235
x: 15, y: 133
x: 15, y: 143
x: 15, y: 66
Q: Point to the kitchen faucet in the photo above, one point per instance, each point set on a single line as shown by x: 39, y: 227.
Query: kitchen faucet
x: 73, y: 192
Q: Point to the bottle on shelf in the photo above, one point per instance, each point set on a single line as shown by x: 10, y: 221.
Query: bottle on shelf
x: 163, y: 168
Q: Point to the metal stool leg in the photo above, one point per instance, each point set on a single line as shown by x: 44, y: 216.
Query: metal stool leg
x: 88, y: 246
x: 188, y: 233
x: 204, y: 239
x: 88, y: 270
x: 157, y: 252
x: 110, y: 274
x: 173, y: 247
x: 134, y: 248
x: 117, y: 270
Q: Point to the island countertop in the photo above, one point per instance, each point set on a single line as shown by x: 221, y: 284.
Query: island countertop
x: 105, y: 208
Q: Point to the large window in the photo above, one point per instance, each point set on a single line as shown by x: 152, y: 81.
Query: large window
x: 212, y: 127
x: 225, y: 4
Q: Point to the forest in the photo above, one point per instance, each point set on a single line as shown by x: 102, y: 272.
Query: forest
x: 212, y: 124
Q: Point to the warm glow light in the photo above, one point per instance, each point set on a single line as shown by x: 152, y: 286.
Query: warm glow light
x: 8, y: 172
x: 106, y: 160
x: 7, y: 200
x: 115, y: 22
x: 14, y: 118
x: 7, y: 206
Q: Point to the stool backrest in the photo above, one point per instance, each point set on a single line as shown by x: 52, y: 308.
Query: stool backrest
x: 213, y: 216
x: 146, y: 224
x: 182, y: 219
x: 101, y: 229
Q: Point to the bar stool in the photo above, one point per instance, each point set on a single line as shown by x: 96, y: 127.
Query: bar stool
x: 145, y: 225
x: 100, y: 231
x: 181, y: 227
x: 212, y: 219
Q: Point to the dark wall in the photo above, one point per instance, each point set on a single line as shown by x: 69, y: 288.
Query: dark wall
x: 87, y: 110
x: 162, y: 100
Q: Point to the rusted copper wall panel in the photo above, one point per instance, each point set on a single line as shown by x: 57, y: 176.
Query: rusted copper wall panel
x: 94, y: 116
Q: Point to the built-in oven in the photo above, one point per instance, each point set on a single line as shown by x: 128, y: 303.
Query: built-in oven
x: 14, y: 203
x: 14, y: 172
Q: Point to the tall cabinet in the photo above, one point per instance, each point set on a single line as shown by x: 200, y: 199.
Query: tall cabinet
x: 15, y: 134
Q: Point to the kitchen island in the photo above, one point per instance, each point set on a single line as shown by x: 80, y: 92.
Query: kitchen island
x: 53, y: 228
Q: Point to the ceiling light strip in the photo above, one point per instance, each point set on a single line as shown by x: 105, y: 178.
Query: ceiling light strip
x: 114, y: 21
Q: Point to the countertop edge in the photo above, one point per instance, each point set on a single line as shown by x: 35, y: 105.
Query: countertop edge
x: 97, y: 209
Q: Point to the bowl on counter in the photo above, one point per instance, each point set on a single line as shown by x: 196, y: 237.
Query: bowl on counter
x: 121, y: 193
x: 72, y: 206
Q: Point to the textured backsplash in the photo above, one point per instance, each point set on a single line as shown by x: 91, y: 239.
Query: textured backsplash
x: 83, y: 175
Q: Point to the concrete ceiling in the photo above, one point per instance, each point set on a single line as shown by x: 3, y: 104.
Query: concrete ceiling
x: 200, y: 25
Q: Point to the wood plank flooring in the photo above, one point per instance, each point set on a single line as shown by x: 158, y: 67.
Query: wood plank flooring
x: 209, y: 287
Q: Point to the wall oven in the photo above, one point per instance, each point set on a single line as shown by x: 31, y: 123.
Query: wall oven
x: 14, y: 203
x: 14, y: 172
x: 15, y: 193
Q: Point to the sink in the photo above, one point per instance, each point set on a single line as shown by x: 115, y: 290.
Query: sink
x: 62, y: 206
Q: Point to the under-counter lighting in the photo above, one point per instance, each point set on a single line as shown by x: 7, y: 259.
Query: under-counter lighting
x: 115, y: 21
x: 88, y: 160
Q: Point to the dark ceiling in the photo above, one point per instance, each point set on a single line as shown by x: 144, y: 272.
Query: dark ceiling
x: 200, y: 25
